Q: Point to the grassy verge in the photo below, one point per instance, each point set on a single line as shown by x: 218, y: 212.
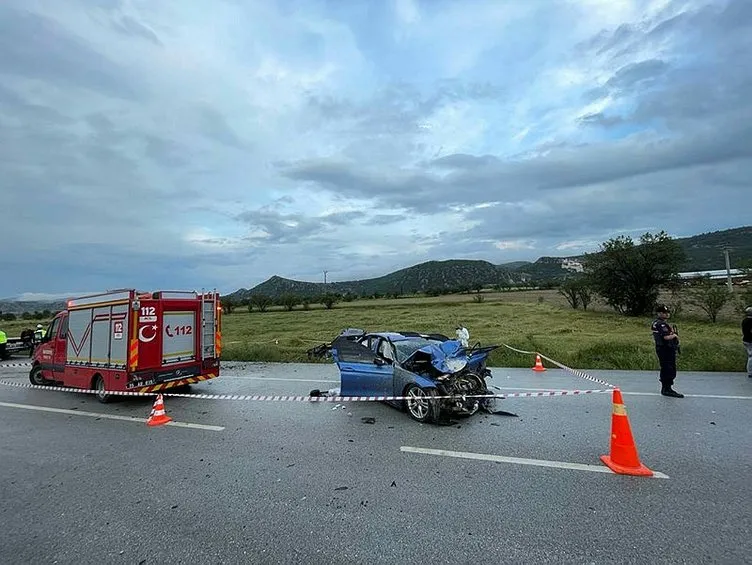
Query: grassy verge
x: 596, y: 339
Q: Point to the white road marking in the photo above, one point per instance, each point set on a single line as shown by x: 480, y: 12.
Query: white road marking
x: 626, y: 393
x: 517, y: 460
x: 721, y: 396
x: 108, y: 416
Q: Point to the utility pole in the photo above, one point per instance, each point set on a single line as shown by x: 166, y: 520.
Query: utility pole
x: 728, y: 268
x: 325, y: 272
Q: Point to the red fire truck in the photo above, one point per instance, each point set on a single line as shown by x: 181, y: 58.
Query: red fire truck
x: 126, y: 340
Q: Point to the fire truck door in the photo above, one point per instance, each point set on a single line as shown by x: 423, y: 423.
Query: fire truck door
x: 58, y: 331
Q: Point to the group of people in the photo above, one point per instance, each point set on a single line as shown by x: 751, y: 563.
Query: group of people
x: 29, y: 338
x: 667, y: 346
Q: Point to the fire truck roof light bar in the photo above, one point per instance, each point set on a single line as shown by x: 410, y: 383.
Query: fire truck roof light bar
x: 98, y: 298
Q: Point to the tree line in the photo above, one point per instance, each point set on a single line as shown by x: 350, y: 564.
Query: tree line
x: 630, y: 276
x: 37, y: 315
x: 627, y: 275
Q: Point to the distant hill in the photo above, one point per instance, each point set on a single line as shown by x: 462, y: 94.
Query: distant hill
x: 704, y: 252
x: 10, y: 306
x: 459, y: 274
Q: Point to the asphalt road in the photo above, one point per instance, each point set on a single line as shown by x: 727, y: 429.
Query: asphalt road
x: 298, y: 482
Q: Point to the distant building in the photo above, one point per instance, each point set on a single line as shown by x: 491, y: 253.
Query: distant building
x: 572, y: 265
x: 718, y: 274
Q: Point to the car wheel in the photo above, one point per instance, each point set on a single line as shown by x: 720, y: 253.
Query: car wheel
x: 36, y: 378
x: 420, y: 403
x: 101, y: 394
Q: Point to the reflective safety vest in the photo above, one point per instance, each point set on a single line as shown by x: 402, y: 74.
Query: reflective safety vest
x: 40, y: 333
x: 3, y: 337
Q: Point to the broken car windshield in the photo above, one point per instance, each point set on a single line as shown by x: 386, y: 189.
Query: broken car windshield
x: 408, y: 347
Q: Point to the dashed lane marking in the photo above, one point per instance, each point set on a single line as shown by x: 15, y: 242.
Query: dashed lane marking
x: 108, y: 416
x: 517, y: 460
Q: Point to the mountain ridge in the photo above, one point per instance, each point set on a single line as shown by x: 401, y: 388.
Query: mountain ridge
x: 704, y: 252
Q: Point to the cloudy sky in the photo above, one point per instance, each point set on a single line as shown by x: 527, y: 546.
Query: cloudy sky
x: 215, y: 143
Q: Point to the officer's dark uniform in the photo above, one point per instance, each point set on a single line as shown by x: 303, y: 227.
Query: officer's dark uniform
x: 666, y: 352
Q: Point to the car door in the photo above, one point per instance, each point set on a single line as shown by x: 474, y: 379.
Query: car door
x: 46, y: 352
x: 363, y: 372
x: 59, y: 338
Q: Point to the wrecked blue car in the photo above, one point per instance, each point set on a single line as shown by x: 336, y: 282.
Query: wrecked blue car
x: 420, y: 367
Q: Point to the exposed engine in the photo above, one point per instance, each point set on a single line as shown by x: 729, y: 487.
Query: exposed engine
x: 464, y: 383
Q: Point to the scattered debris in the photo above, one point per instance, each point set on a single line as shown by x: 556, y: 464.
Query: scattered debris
x: 368, y: 420
x: 341, y: 488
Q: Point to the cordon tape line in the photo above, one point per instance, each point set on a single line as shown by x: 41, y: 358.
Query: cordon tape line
x: 575, y: 372
x: 3, y: 365
x: 296, y: 398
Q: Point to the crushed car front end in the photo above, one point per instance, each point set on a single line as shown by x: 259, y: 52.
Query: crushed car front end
x: 437, y: 377
x: 453, y: 378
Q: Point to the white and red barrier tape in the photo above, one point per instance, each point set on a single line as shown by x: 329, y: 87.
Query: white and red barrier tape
x: 287, y: 398
x: 297, y: 398
x: 575, y: 372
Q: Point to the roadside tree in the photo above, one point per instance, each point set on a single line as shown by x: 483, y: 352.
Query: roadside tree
x: 629, y: 276
x: 709, y: 296
x: 261, y: 302
x: 577, y: 291
x: 289, y: 301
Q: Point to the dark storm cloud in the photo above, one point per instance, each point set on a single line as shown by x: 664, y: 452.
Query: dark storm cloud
x: 600, y: 119
x: 636, y: 74
x: 212, y: 124
x: 704, y: 101
x: 131, y: 27
x: 15, y: 107
x: 482, y: 179
x: 36, y: 47
x: 281, y: 228
x: 399, y: 108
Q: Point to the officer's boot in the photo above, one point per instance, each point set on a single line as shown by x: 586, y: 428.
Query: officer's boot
x: 668, y: 391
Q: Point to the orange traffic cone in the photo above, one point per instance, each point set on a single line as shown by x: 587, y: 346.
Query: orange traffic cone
x: 538, y: 364
x: 158, y: 417
x: 623, y: 458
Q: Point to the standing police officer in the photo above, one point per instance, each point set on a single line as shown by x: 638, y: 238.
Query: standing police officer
x: 666, y: 345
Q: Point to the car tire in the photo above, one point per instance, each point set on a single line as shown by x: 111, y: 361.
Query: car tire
x: 101, y: 395
x: 421, y: 405
x: 35, y: 376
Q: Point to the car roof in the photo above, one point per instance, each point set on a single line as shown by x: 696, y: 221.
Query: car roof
x: 402, y: 336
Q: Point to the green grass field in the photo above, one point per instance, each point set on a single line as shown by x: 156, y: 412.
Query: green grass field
x: 533, y: 320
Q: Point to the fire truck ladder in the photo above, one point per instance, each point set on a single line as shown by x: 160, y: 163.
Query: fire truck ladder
x: 209, y: 325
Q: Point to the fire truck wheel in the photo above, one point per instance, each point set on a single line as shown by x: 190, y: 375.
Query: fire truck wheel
x: 36, y: 378
x: 101, y: 395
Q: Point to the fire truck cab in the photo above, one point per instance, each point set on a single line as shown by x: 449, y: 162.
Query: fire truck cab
x: 126, y: 340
